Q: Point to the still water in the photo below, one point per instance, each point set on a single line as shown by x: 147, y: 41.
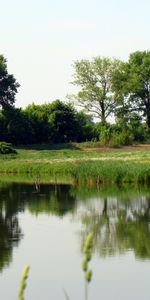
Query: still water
x: 46, y: 227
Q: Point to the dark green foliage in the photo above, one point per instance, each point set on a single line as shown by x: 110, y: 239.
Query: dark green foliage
x: 17, y: 129
x: 8, y: 85
x: 113, y: 135
x: 63, y: 122
x: 131, y: 83
x: 37, y: 117
x: 86, y: 127
x: 122, y: 133
x: 55, y: 122
x: 6, y: 148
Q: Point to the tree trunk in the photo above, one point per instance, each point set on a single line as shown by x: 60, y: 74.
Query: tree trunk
x: 148, y: 119
x: 148, y: 113
x: 103, y: 117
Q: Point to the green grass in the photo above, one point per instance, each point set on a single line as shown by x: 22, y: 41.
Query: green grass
x: 72, y: 162
x: 75, y: 151
x: 112, y: 171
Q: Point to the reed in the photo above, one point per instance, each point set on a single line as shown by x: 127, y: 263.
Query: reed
x: 23, y: 282
x: 98, y: 172
x: 90, y: 172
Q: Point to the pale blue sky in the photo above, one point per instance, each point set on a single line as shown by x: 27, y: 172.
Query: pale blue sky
x: 41, y: 39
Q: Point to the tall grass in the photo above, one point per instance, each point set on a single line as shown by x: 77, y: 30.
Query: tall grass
x: 68, y: 162
x: 102, y: 171
x: 112, y: 171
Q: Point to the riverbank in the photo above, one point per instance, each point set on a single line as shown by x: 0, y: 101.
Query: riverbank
x: 80, y: 163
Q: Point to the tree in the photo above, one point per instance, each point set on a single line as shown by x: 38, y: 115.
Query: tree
x: 17, y: 129
x: 86, y: 127
x: 37, y: 116
x: 8, y: 85
x: 95, y: 80
x: 131, y: 83
x: 2, y: 126
x: 63, y: 121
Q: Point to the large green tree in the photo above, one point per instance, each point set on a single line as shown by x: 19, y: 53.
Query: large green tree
x: 8, y: 85
x: 63, y: 121
x: 95, y: 81
x: 131, y: 83
x: 37, y: 116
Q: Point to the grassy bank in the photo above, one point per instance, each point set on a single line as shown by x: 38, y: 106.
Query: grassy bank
x: 80, y: 164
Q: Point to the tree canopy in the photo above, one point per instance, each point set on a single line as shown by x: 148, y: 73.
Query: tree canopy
x: 8, y: 85
x: 131, y: 83
x: 95, y: 81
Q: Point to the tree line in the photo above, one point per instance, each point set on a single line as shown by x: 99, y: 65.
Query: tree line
x: 55, y: 122
x: 109, y: 89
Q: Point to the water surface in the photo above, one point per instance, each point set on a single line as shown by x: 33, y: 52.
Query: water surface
x: 45, y: 226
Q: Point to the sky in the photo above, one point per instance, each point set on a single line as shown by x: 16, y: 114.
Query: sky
x: 42, y: 38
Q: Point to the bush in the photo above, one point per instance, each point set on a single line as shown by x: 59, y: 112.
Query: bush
x: 7, y: 148
x: 114, y: 135
x: 121, y: 139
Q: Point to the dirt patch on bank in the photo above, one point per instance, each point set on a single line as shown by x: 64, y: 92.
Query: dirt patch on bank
x: 107, y: 149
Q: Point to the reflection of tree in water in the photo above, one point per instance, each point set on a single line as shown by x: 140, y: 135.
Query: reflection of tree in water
x: 10, y: 235
x: 133, y: 231
x: 119, y: 226
x: 51, y: 199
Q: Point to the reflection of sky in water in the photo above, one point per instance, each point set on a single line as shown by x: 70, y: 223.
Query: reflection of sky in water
x: 51, y: 244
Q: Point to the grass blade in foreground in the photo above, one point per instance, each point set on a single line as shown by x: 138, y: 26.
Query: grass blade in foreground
x: 23, y: 282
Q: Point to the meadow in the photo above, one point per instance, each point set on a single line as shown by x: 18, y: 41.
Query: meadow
x: 80, y: 163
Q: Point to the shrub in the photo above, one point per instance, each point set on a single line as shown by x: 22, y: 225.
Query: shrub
x: 7, y: 148
x: 121, y: 139
x: 113, y: 135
